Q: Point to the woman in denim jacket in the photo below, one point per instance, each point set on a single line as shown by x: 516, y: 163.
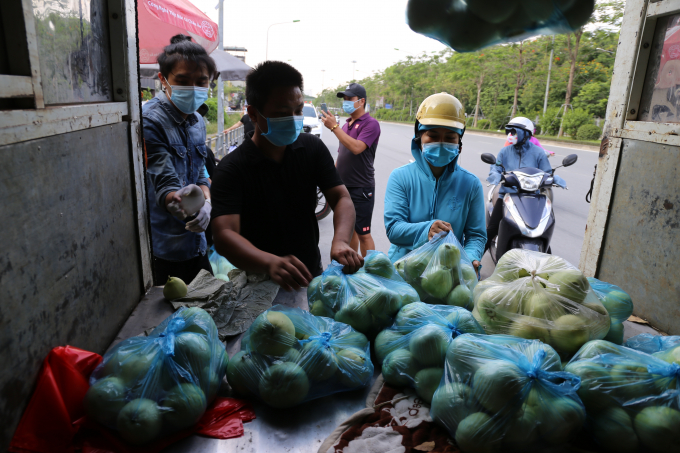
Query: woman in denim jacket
x: 174, y: 137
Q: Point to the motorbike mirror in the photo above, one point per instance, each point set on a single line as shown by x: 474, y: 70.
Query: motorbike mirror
x: 570, y: 160
x: 488, y: 158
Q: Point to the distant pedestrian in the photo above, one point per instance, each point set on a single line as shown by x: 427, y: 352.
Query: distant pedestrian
x: 245, y: 122
x: 358, y: 139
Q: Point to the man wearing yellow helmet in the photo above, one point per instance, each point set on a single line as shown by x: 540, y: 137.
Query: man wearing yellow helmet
x: 434, y: 193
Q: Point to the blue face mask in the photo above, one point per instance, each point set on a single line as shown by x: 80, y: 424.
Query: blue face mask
x: 348, y: 107
x: 188, y: 99
x: 440, y: 154
x: 283, y: 131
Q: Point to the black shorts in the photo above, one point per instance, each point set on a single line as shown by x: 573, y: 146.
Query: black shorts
x: 364, y: 199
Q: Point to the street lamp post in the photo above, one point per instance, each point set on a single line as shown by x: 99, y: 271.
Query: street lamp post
x: 353, y: 70
x: 547, y: 84
x: 220, y: 85
x: 266, y: 55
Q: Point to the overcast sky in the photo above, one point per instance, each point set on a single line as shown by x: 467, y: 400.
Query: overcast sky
x: 329, y: 36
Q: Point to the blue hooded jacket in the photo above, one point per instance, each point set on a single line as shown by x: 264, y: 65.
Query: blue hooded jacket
x: 517, y: 156
x: 415, y: 199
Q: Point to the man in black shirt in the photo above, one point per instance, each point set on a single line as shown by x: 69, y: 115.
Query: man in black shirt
x: 245, y: 122
x: 264, y: 192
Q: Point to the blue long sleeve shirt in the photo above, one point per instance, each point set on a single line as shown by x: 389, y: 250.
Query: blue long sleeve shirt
x: 415, y: 199
x: 513, y: 157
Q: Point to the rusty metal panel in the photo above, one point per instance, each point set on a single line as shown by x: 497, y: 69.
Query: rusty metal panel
x: 624, y: 66
x: 69, y: 262
x: 622, y: 81
x: 22, y: 125
x: 123, y: 26
x: 665, y: 133
x: 641, y: 248
x: 597, y: 215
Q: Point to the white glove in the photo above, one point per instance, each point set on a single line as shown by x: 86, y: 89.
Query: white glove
x: 191, y: 200
x: 200, y: 223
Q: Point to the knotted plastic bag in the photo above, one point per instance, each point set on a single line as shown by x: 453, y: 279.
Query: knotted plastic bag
x: 666, y: 348
x: 469, y: 25
x: 289, y: 356
x: 149, y: 387
x: 537, y: 296
x: 220, y: 265
x: 440, y: 271
x: 618, y: 304
x: 412, y: 350
x: 632, y: 399
x: 503, y: 393
x: 378, y: 263
x: 365, y: 301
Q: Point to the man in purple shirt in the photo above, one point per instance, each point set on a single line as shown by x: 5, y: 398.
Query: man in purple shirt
x: 358, y: 142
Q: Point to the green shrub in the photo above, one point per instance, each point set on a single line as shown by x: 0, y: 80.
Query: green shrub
x: 499, y: 116
x: 483, y: 124
x: 574, y: 119
x: 212, y: 112
x: 549, y: 123
x: 470, y: 121
x: 588, y: 132
x: 593, y: 97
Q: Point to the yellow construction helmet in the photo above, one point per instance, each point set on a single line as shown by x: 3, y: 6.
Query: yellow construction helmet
x: 442, y: 109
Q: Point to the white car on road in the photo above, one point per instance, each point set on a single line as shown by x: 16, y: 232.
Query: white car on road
x: 311, y: 123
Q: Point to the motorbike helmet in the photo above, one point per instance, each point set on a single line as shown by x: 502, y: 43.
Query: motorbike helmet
x: 441, y: 109
x: 520, y: 122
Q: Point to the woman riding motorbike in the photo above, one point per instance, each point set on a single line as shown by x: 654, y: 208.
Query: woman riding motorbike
x: 520, y: 153
x: 434, y: 193
x: 533, y: 138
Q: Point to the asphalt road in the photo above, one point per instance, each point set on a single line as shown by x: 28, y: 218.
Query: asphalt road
x: 394, y: 150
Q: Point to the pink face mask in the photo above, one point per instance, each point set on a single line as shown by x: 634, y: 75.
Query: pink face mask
x: 512, y: 139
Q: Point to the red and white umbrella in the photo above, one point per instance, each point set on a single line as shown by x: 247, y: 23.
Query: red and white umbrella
x: 159, y: 20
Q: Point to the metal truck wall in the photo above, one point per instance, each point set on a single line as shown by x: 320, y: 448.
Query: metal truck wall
x: 69, y: 259
x: 641, y: 248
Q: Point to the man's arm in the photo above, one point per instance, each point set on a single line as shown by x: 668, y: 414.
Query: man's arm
x: 288, y: 272
x: 344, y: 218
x: 160, y: 166
x: 235, y: 126
x: 354, y: 145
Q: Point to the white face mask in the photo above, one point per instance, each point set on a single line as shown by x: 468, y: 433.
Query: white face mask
x: 512, y: 139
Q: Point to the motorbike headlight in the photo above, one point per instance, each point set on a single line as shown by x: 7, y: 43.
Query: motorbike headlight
x: 529, y: 182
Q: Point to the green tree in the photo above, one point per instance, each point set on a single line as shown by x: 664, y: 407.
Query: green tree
x: 608, y: 13
x: 593, y: 98
x: 574, y: 119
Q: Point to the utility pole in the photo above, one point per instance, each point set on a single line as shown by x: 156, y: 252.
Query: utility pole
x: 220, y: 85
x: 323, y: 73
x: 353, y: 70
x: 547, y: 84
x: 410, y: 110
